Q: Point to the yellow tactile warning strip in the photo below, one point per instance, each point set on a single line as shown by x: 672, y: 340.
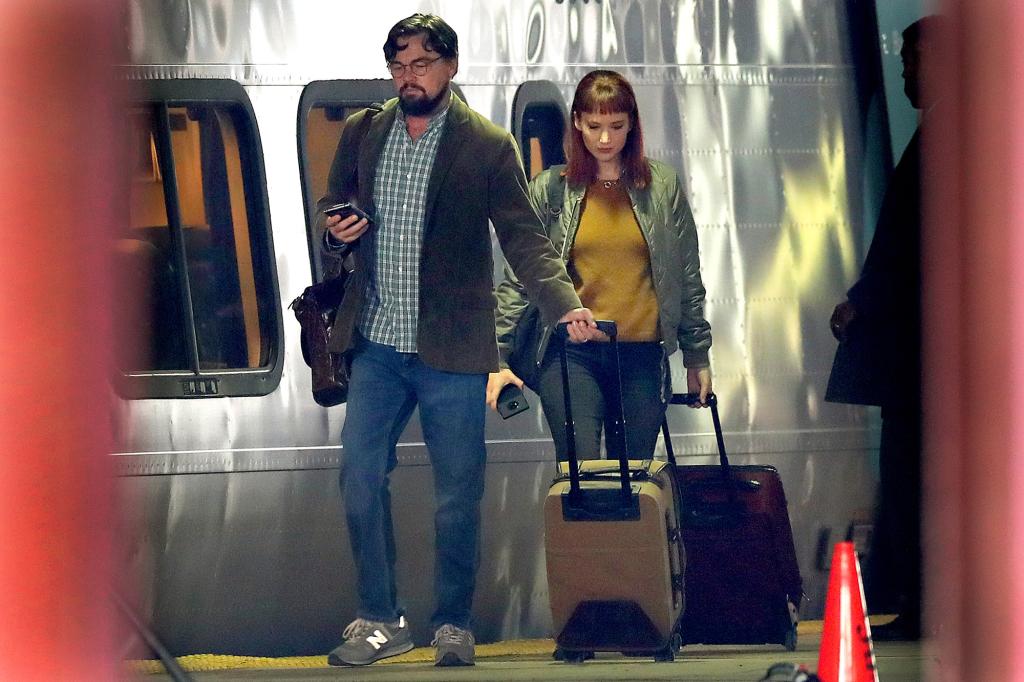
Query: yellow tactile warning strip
x: 207, y: 662
x: 510, y: 648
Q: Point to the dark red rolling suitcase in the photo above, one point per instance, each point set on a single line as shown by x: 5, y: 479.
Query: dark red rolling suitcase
x: 743, y: 583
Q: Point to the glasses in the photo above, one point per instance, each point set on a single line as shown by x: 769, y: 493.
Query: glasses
x: 418, y: 67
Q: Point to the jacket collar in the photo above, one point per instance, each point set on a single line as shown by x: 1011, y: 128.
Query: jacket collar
x: 377, y: 135
x: 458, y: 116
x: 371, y: 149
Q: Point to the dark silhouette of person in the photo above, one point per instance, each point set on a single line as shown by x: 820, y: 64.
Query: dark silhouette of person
x: 879, y: 357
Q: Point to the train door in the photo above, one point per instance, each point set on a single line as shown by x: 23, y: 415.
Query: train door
x: 197, y: 300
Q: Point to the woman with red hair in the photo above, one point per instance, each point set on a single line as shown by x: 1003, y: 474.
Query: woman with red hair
x: 626, y: 232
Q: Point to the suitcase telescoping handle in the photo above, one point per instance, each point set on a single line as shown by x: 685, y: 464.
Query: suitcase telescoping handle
x: 709, y: 514
x: 712, y: 402
x: 611, y: 330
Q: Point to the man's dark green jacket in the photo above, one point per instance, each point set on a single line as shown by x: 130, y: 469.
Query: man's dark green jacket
x: 477, y: 177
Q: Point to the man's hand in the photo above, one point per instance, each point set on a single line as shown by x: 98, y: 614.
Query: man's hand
x: 842, y: 316
x: 698, y: 380
x: 581, y: 325
x: 497, y: 381
x: 347, y: 229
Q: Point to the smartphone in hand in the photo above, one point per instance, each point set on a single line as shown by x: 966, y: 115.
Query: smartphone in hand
x: 346, y: 209
x: 511, y: 401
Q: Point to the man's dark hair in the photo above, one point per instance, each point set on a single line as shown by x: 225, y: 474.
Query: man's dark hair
x: 438, y: 36
x: 932, y: 28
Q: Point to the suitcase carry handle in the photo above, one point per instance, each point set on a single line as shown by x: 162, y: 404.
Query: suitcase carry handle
x: 715, y: 502
x: 575, y: 492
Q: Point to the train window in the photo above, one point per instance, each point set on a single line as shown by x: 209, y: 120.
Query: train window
x: 323, y: 108
x: 197, y: 282
x: 323, y: 131
x: 538, y: 124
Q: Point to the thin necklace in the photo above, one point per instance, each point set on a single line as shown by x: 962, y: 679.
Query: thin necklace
x: 608, y: 184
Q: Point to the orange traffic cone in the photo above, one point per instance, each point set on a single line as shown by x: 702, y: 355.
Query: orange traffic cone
x: 846, y: 653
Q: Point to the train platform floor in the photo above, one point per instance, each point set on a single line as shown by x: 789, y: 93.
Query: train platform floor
x: 531, y: 660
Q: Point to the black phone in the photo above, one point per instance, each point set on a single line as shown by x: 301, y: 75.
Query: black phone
x: 511, y: 401
x: 346, y: 209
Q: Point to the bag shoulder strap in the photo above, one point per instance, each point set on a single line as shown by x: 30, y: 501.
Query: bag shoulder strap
x: 349, y: 183
x: 364, y: 128
x: 556, y: 190
x: 364, y: 125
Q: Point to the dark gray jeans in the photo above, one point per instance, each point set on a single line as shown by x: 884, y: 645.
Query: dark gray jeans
x: 592, y: 388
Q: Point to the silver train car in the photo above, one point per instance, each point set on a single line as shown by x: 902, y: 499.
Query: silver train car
x: 228, y: 470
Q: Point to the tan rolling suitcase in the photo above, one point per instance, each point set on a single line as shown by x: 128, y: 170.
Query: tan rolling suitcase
x: 615, y: 560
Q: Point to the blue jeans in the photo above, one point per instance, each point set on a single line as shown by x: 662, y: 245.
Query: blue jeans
x: 384, y: 389
x: 593, y: 392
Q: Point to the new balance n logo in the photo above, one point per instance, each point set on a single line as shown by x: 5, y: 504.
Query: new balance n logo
x: 377, y: 639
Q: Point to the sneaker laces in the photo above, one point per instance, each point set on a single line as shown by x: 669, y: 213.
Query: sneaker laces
x: 358, y: 627
x: 361, y: 626
x: 450, y: 634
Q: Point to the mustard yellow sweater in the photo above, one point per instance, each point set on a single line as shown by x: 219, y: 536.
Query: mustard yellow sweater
x: 610, y: 264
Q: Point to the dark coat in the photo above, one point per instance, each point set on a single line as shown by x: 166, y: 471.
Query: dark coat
x: 880, y: 362
x: 477, y: 177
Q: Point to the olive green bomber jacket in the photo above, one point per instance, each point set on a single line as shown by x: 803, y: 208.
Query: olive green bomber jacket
x: 477, y: 180
x: 667, y: 224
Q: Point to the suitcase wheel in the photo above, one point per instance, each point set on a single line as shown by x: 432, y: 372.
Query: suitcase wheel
x: 667, y: 654
x: 790, y: 641
x: 571, y: 656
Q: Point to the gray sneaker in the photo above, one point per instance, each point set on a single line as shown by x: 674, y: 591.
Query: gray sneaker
x: 454, y: 646
x: 367, y: 641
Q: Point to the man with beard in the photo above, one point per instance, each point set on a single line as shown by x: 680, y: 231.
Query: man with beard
x: 417, y: 322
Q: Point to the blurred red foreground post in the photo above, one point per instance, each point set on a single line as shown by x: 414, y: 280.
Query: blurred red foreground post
x: 58, y: 206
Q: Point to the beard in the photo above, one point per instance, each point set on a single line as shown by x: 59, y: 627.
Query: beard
x: 420, y: 106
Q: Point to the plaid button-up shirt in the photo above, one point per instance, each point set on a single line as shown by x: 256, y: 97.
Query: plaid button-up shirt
x: 391, y: 313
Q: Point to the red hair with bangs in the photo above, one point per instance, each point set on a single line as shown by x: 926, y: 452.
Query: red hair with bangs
x: 606, y: 92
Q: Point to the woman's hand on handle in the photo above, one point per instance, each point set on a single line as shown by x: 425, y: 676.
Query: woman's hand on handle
x: 497, y: 381
x: 698, y: 380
